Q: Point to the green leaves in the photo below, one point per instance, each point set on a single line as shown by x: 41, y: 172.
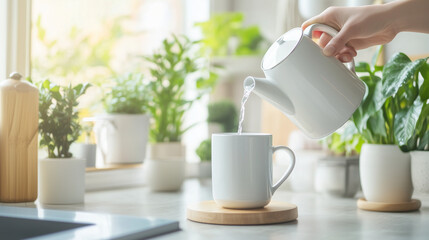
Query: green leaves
x: 405, y: 122
x: 424, y: 88
x: 395, y: 108
x: 223, y: 113
x: 172, y: 67
x: 398, y: 70
x: 349, y: 142
x: 224, y: 28
x: 371, y: 103
x: 362, y: 67
x: 204, y: 150
x: 58, y: 117
x: 129, y: 95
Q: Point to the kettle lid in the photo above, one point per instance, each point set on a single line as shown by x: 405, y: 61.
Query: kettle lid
x: 281, y: 48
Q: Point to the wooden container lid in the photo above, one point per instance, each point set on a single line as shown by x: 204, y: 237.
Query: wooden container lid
x: 210, y: 212
x: 413, y: 205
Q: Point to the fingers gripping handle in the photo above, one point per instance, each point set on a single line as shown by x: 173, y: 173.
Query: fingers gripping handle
x: 331, y: 31
x: 288, y: 171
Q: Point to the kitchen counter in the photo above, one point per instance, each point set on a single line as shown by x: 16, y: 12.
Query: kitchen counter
x: 319, y: 217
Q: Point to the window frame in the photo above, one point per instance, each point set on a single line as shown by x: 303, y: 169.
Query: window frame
x: 15, y: 32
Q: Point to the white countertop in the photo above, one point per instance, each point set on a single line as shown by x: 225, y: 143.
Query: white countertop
x: 319, y: 217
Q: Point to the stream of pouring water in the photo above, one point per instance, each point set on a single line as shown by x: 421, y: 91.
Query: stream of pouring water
x: 248, y: 88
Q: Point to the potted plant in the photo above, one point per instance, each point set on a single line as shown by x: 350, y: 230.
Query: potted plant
x: 386, y: 119
x: 337, y: 173
x: 414, y: 137
x: 122, y: 134
x: 84, y: 147
x: 61, y: 177
x: 230, y: 45
x: 222, y: 117
x: 224, y: 34
x: 173, y: 65
x: 204, y: 152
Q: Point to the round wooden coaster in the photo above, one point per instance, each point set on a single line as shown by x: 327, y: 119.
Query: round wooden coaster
x: 210, y: 212
x: 413, y: 205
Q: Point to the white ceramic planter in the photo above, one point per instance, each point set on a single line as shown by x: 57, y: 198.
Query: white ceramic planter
x: 385, y: 173
x: 164, y: 170
x: 61, y: 180
x: 420, y: 171
x: 338, y: 176
x: 122, y: 138
x: 85, y: 151
x: 164, y: 175
x: 167, y: 151
x: 205, y: 169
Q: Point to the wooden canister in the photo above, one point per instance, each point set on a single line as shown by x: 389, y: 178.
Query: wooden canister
x: 19, y: 120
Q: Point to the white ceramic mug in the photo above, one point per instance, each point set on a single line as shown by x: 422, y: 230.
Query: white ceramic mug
x: 318, y: 93
x: 242, y: 169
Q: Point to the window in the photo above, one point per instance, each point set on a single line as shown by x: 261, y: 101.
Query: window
x: 14, y: 37
x: 93, y: 41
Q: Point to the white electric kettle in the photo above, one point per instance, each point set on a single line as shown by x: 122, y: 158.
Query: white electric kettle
x: 318, y: 93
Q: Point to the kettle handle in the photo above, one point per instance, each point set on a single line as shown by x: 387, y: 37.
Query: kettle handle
x: 331, y: 31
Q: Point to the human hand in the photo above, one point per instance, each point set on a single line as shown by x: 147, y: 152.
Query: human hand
x: 359, y: 28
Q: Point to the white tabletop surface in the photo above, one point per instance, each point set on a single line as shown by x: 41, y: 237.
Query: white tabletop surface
x: 319, y: 217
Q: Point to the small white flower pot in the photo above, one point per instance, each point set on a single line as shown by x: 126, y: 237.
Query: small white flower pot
x: 164, y: 170
x: 85, y: 151
x: 420, y: 171
x: 61, y: 180
x: 338, y: 176
x: 205, y: 169
x: 385, y: 173
x: 164, y: 175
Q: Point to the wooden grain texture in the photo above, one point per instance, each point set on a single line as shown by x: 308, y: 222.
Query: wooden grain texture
x: 19, y: 119
x: 111, y: 167
x: 210, y: 212
x: 413, y: 205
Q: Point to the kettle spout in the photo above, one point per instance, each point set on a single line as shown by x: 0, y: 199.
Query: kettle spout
x: 268, y: 91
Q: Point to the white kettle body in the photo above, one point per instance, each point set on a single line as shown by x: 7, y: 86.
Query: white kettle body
x: 318, y: 93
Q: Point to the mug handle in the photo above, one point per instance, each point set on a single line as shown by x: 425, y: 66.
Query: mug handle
x: 105, y: 123
x: 331, y: 31
x: 288, y: 171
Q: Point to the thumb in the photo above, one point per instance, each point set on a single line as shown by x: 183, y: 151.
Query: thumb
x: 316, y: 19
x: 337, y: 43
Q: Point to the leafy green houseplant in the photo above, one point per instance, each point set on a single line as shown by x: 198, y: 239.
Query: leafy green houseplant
x: 172, y: 66
x: 337, y: 173
x: 59, y: 123
x: 395, y: 109
x: 224, y: 113
x: 129, y: 95
x: 127, y: 122
x: 59, y: 127
x: 175, y: 68
x: 204, y: 150
x: 392, y: 117
x: 347, y: 143
x: 224, y: 34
